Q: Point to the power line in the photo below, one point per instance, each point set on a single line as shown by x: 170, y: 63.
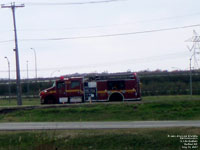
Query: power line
x: 107, y: 35
x: 112, y: 35
x: 109, y: 25
x: 7, y: 41
x: 127, y: 61
x: 74, y: 3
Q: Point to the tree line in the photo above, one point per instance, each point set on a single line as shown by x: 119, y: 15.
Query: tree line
x: 152, y: 83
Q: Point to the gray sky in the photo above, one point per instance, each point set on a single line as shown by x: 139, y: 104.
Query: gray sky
x: 71, y: 37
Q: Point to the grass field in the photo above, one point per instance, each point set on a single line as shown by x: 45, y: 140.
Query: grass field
x: 170, y: 98
x: 25, y: 101
x: 36, y: 101
x: 123, y: 139
x: 152, y: 108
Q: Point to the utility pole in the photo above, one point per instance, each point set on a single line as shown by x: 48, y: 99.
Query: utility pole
x: 195, y: 49
x: 8, y: 77
x: 13, y: 6
x: 27, y: 77
x: 35, y: 63
x: 191, y: 76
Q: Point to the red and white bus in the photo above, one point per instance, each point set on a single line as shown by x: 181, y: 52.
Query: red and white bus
x: 109, y: 87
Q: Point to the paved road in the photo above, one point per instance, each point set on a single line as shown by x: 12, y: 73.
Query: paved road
x: 96, y: 125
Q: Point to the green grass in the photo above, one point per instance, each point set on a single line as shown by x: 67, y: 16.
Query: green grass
x: 25, y: 101
x: 36, y: 101
x: 115, y: 139
x: 170, y: 98
x: 153, y: 109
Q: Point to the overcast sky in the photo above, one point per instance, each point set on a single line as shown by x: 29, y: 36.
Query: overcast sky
x: 82, y: 36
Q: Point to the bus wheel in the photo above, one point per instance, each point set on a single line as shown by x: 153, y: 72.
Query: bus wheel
x: 116, y: 97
